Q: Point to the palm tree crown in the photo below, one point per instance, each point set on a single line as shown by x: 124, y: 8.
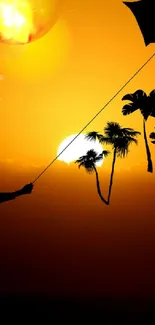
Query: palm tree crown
x: 146, y: 105
x: 140, y: 100
x: 89, y: 160
x: 120, y: 138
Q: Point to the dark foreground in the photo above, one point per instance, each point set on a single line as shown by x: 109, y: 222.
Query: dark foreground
x: 44, y: 308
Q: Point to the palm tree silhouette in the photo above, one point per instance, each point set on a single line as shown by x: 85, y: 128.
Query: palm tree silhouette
x: 152, y: 136
x: 89, y: 161
x: 120, y: 139
x: 146, y: 105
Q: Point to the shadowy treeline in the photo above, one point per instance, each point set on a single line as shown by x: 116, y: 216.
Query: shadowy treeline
x: 46, y: 308
x: 121, y: 138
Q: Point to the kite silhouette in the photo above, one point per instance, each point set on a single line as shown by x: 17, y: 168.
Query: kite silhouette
x: 144, y: 13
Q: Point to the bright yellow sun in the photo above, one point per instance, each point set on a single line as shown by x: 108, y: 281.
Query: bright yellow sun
x: 16, y: 20
x: 23, y: 21
x: 78, y: 148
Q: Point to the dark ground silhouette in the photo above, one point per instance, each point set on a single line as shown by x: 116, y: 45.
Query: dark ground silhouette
x: 33, y: 307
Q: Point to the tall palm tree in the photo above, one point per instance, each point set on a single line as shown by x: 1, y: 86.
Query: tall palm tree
x: 146, y: 105
x: 120, y: 139
x: 152, y: 136
x: 89, y: 163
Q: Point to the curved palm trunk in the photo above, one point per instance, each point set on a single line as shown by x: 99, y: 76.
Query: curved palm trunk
x: 112, y: 174
x: 98, y: 187
x: 149, y: 160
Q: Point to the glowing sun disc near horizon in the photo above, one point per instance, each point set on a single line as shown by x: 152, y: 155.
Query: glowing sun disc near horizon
x: 78, y: 148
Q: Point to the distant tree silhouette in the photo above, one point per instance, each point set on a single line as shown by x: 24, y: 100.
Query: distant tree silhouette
x: 152, y: 136
x: 120, y: 139
x: 146, y: 105
x: 89, y: 161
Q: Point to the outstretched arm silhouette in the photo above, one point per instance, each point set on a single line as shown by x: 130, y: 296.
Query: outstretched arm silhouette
x: 27, y: 189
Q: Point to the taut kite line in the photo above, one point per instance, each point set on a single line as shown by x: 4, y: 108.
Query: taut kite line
x: 144, y: 14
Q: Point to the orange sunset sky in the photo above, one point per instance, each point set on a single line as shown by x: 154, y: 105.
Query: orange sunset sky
x: 62, y: 238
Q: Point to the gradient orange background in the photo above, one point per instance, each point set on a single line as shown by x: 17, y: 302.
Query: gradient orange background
x: 62, y: 238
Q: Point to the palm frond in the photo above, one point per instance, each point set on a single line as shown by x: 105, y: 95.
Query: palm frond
x: 122, y: 150
x: 92, y: 136
x: 91, y: 154
x: 127, y: 130
x: 139, y: 100
x: 90, y: 168
x: 100, y: 137
x: 105, y: 140
x: 98, y: 158
x: 80, y: 159
x: 89, y: 160
x: 151, y: 99
x: 152, y: 112
x: 129, y: 108
x: 111, y: 128
x: 152, y: 135
x: 137, y: 95
x: 132, y: 140
x: 81, y: 164
x: 130, y: 132
x: 88, y: 165
x: 112, y: 125
x: 128, y: 97
x: 152, y: 94
x: 122, y: 145
x: 105, y: 153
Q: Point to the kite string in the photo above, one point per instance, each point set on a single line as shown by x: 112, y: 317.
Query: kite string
x: 94, y: 117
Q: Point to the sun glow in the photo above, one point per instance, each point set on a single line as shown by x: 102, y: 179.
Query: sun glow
x: 23, y: 21
x: 78, y: 148
x: 16, y: 21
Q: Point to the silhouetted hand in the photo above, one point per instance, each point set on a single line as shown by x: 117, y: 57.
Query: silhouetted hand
x: 7, y: 196
x: 27, y: 189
